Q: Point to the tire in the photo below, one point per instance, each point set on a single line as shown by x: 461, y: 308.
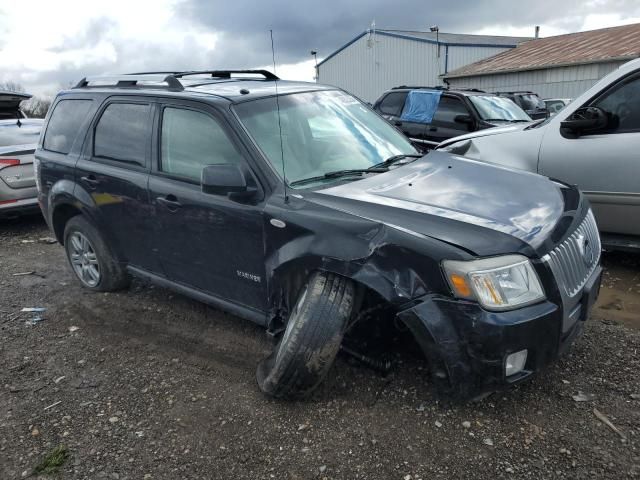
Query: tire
x: 311, y: 340
x: 91, y: 261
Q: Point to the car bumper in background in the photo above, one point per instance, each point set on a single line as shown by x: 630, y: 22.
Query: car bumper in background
x: 467, y: 347
x: 22, y: 206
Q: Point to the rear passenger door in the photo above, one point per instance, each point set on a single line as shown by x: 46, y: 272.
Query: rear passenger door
x: 112, y: 176
x: 209, y: 242
x: 444, y: 126
x: 390, y: 107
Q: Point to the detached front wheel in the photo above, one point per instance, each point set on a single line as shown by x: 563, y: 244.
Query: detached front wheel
x: 311, y: 340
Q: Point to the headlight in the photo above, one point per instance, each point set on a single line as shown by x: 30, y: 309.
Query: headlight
x: 498, y: 283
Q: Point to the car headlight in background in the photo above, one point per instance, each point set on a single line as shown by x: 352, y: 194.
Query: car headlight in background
x: 497, y: 283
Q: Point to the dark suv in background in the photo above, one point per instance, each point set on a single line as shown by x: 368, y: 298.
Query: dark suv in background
x: 296, y: 206
x: 18, y: 140
x: 530, y: 102
x: 456, y: 113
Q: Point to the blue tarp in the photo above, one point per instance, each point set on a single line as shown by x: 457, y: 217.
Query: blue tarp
x: 420, y: 106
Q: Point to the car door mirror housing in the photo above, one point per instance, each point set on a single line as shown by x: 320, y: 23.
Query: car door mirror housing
x: 466, y: 119
x: 222, y: 179
x: 584, y: 120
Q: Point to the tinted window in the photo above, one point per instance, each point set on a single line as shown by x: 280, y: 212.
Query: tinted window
x: 191, y: 140
x: 448, y: 109
x: 393, y: 104
x: 122, y: 133
x: 64, y: 124
x: 623, y: 103
x: 12, y: 134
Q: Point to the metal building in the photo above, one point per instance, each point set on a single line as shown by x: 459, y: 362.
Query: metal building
x: 562, y: 66
x: 377, y: 60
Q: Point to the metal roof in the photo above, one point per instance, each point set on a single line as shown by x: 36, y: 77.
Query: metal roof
x: 443, y: 38
x: 607, y: 44
x: 461, y: 38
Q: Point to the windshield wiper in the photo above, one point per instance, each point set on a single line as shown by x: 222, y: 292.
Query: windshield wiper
x: 391, y: 160
x: 340, y: 173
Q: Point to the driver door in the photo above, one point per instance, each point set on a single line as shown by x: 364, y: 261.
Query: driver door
x: 209, y: 242
x: 605, y: 165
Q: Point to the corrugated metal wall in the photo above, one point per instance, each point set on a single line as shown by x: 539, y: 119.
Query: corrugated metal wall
x: 560, y: 82
x: 369, y: 66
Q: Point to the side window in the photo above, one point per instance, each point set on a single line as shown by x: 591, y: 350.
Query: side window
x: 393, y: 104
x: 190, y: 141
x: 623, y: 104
x: 448, y: 109
x: 64, y: 125
x: 122, y: 133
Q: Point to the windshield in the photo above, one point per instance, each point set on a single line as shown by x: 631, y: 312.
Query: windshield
x: 498, y: 108
x: 531, y: 101
x: 321, y: 132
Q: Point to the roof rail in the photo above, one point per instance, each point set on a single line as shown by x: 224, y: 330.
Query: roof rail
x: 477, y: 90
x: 227, y: 73
x: 437, y: 87
x: 168, y: 82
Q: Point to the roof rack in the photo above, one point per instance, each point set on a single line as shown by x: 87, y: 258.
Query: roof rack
x: 477, y: 90
x: 166, y: 80
x: 227, y: 73
x: 437, y: 87
x: 146, y: 80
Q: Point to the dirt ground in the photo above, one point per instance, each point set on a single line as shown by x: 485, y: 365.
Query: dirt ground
x: 145, y: 384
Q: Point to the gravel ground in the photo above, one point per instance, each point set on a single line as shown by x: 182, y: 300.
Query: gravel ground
x: 145, y: 384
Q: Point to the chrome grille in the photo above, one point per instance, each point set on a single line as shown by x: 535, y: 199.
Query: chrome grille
x: 575, y: 259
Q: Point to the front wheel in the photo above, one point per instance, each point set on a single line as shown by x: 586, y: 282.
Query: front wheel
x: 311, y: 340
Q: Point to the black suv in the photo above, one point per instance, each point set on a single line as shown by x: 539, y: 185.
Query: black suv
x: 530, y: 102
x: 296, y: 206
x: 444, y: 113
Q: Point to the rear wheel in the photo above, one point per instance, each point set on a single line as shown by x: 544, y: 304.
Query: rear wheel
x: 311, y: 340
x: 90, y: 259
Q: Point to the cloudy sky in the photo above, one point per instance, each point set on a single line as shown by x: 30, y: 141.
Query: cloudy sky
x: 47, y: 45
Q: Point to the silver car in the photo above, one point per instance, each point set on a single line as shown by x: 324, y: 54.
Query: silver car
x: 594, y: 143
x: 18, y: 138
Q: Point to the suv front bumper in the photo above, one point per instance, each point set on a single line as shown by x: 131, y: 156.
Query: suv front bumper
x: 467, y: 346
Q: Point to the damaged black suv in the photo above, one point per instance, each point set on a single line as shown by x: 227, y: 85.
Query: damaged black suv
x: 296, y: 206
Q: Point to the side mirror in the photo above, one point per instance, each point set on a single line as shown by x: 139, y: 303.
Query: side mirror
x: 584, y: 120
x: 221, y: 179
x: 466, y: 119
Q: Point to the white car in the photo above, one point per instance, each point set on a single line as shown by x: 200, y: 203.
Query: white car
x: 594, y: 143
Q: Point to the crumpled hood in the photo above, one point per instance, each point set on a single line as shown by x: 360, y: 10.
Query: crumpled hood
x: 482, y: 208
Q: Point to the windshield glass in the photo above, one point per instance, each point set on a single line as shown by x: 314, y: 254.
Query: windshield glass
x: 498, y: 108
x: 531, y: 101
x: 321, y: 132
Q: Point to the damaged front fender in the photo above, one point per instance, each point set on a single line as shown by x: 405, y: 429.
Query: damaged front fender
x: 396, y: 264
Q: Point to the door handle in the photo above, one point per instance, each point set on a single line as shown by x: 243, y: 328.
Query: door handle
x: 433, y: 129
x: 170, y: 201
x: 90, y: 180
x: 397, y: 123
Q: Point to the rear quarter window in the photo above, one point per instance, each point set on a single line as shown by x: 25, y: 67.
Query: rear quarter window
x: 64, y: 124
x: 393, y: 104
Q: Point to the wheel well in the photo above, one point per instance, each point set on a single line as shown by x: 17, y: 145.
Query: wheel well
x: 61, y: 215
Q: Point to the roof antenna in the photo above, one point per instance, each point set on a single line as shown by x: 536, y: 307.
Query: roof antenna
x: 284, y: 173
